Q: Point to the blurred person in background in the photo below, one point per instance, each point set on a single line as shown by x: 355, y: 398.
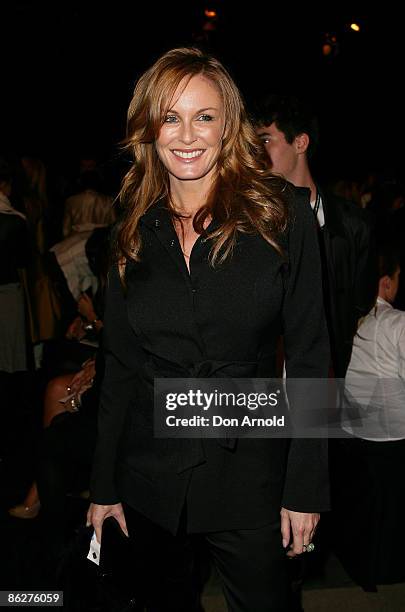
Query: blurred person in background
x: 14, y: 254
x: 289, y: 130
x: 89, y: 208
x: 370, y: 493
x: 43, y: 300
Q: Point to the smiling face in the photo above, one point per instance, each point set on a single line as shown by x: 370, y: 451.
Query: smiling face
x: 190, y: 140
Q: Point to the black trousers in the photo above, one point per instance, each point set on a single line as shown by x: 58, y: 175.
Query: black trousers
x: 252, y: 565
x: 367, y: 516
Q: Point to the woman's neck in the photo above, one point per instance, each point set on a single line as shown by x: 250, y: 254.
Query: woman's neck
x: 189, y: 196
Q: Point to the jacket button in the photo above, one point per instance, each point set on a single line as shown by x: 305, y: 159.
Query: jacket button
x: 194, y: 291
x: 157, y: 223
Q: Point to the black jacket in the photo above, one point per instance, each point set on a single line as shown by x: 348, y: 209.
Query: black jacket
x: 234, y: 312
x: 351, y: 270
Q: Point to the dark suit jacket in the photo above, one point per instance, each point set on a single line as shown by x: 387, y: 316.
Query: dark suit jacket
x: 351, y: 284
x: 233, y: 313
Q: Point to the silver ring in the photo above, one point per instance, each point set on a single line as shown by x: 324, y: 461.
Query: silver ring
x: 308, y: 547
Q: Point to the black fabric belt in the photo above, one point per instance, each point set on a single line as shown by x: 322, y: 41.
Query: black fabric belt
x: 189, y: 452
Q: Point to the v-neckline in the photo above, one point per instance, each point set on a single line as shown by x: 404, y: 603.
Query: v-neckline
x: 188, y: 265
x: 159, y: 219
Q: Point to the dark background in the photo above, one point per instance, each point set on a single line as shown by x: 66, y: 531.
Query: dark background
x: 68, y: 70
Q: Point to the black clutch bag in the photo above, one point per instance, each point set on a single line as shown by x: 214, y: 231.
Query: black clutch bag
x: 118, y: 583
x: 107, y: 587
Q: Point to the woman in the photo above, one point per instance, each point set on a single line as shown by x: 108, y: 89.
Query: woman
x: 44, y: 308
x: 63, y: 394
x: 201, y: 287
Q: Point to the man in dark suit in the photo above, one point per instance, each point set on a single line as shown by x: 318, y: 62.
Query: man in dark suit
x: 289, y: 130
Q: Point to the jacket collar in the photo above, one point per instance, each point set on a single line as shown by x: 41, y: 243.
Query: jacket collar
x: 333, y: 220
x: 7, y: 208
x: 156, y: 214
x: 383, y: 302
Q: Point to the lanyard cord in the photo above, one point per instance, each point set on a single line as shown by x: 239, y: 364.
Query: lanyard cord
x: 317, y: 203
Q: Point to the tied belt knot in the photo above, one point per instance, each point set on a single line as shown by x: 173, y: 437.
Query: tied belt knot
x: 189, y: 452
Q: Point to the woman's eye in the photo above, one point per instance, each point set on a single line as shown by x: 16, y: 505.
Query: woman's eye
x: 205, y: 118
x: 170, y: 119
x: 265, y: 139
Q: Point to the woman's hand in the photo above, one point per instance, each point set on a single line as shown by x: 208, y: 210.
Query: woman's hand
x: 301, y: 525
x: 97, y: 514
x: 75, y: 330
x: 83, y: 379
x: 86, y: 308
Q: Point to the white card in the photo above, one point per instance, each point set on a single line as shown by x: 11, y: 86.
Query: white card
x: 94, y: 550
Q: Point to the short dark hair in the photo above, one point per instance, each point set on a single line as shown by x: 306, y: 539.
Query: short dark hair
x: 292, y: 115
x: 388, y: 259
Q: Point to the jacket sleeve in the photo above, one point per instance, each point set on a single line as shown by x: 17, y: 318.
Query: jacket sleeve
x: 120, y: 352
x: 366, y: 281
x: 307, y: 355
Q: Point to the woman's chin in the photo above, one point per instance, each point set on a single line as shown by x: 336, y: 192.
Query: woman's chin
x: 189, y: 173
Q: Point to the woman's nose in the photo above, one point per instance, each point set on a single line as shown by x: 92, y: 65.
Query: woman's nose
x: 188, y: 135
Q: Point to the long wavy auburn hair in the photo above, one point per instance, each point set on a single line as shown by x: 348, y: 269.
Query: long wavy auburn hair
x: 245, y: 195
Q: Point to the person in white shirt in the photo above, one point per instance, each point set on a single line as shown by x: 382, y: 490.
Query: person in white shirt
x: 375, y: 379
x: 369, y: 488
